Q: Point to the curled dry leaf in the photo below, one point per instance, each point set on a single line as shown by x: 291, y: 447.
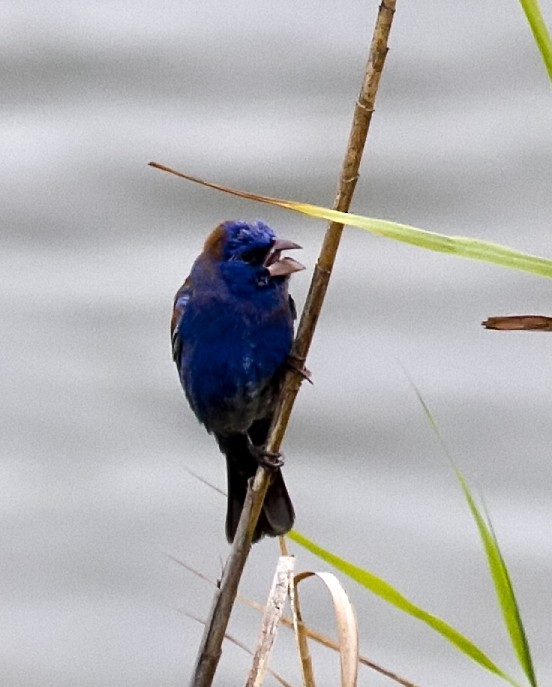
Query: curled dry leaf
x: 346, y: 624
x: 519, y: 322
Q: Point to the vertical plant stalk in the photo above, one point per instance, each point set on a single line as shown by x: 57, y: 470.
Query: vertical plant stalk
x: 300, y: 631
x: 364, y: 109
x: 217, y: 622
x: 272, y: 615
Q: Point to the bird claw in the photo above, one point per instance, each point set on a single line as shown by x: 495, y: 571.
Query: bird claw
x: 271, y: 460
x: 297, y: 364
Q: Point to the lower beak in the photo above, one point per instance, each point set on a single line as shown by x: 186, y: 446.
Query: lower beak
x: 282, y: 267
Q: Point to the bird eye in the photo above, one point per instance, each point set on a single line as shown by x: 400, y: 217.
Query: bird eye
x: 248, y: 257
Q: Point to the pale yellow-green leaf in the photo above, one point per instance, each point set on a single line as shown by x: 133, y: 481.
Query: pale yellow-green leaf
x: 460, y: 246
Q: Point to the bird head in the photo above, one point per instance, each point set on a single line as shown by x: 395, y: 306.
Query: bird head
x: 250, y: 254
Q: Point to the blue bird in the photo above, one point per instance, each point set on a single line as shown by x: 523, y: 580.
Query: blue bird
x: 232, y: 331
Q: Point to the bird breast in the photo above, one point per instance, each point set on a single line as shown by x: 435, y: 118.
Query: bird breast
x: 231, y: 368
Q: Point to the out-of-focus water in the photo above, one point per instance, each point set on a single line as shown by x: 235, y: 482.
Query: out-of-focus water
x: 96, y: 437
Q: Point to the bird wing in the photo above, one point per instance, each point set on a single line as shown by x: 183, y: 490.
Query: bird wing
x: 292, y: 308
x: 181, y: 300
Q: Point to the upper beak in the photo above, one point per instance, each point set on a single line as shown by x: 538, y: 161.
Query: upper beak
x: 282, y: 267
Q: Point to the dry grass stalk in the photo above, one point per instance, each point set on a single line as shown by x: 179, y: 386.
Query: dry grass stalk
x: 289, y: 623
x: 245, y: 648
x: 272, y: 615
x: 300, y: 631
x: 217, y: 622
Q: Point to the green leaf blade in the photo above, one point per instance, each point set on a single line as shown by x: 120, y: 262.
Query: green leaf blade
x: 503, y: 585
x: 502, y: 581
x: 540, y: 32
x: 388, y: 593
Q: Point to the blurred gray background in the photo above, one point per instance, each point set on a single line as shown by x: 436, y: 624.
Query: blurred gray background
x: 96, y: 435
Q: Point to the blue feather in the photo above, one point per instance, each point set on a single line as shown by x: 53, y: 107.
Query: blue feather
x: 232, y: 331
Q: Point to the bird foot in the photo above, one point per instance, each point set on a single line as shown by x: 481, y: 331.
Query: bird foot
x: 298, y: 365
x: 271, y: 460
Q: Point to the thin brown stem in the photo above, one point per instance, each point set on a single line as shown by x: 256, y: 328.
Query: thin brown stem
x: 364, y: 109
x: 217, y: 622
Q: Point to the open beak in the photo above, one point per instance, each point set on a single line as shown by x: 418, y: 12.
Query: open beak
x: 282, y: 267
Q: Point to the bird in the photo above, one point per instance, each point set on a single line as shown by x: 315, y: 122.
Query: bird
x: 232, y: 331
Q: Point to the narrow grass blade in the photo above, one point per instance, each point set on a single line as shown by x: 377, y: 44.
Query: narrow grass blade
x: 503, y: 585
x: 388, y: 593
x: 540, y: 32
x: 499, y: 572
x: 460, y: 246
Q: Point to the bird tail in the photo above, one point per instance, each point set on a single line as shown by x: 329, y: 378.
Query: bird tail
x: 277, y: 514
